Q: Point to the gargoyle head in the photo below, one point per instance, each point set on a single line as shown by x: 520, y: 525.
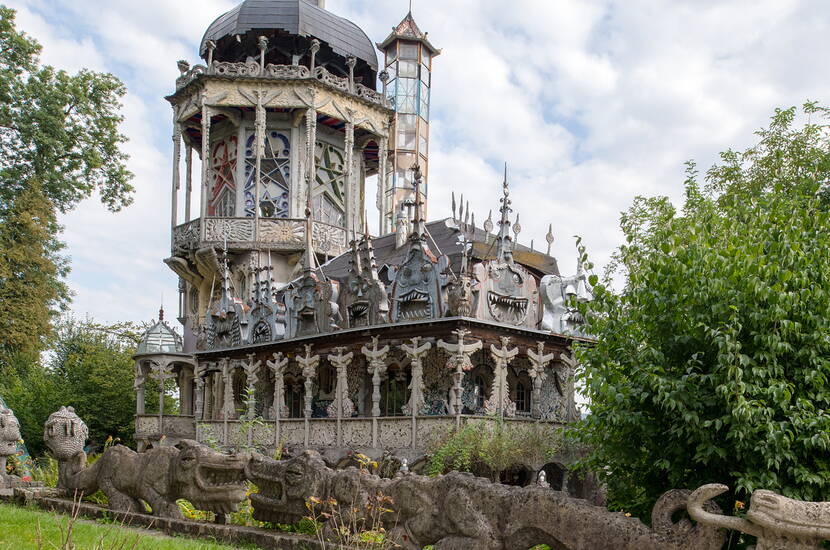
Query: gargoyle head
x: 65, y: 433
x: 9, y: 433
x: 285, y: 486
x: 461, y: 296
x: 210, y: 480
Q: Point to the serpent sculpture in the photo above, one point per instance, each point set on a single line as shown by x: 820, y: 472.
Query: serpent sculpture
x: 778, y: 522
x: 459, y: 511
x: 209, y: 480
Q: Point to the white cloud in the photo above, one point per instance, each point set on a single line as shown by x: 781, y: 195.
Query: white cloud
x: 590, y: 101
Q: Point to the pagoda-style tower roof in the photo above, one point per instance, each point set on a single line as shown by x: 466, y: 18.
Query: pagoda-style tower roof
x: 408, y: 29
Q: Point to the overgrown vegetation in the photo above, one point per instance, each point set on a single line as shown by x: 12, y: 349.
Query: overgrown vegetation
x: 712, y: 364
x: 489, y: 448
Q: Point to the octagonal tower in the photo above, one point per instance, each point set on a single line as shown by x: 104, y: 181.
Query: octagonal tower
x: 283, y: 115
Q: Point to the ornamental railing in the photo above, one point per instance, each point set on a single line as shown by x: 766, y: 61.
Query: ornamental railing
x: 273, y: 233
x: 252, y: 69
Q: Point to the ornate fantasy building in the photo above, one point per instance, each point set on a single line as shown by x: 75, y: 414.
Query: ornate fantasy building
x: 292, y: 314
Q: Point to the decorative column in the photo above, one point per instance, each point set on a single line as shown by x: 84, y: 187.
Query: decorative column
x: 227, y: 396
x: 416, y: 353
x: 308, y: 364
x: 161, y: 371
x: 311, y: 141
x: 342, y: 405
x: 138, y: 385
x: 569, y: 362
x: 499, y: 401
x: 188, y: 181
x: 206, y: 114
x: 177, y: 157
x: 260, y: 151
x: 278, y: 366
x: 185, y: 381
x: 460, y: 363
x: 538, y: 361
x: 377, y: 367
x: 251, y: 369
x: 350, y: 202
x: 383, y: 159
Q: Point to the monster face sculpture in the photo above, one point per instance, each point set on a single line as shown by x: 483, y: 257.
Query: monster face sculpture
x: 9, y: 434
x: 311, y: 306
x: 559, y: 298
x: 365, y: 295
x: 508, y: 293
x: 417, y: 285
x: 461, y: 296
x: 65, y: 433
x: 285, y: 486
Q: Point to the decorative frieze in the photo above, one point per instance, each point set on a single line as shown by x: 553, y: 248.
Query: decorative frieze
x: 230, y: 229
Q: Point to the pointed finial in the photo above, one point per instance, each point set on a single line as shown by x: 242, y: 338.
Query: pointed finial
x: 517, y: 228
x: 461, y: 209
x: 488, y: 223
x: 161, y: 313
x: 549, y: 237
x: 472, y: 223
x: 453, y: 206
x: 531, y: 245
x: 467, y: 213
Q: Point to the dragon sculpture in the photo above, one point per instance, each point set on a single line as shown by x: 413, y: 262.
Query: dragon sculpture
x: 459, y: 511
x: 209, y: 480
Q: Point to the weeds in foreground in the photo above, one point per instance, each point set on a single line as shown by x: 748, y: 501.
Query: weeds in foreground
x: 119, y: 539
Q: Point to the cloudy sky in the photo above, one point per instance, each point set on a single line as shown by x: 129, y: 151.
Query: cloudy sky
x: 591, y: 102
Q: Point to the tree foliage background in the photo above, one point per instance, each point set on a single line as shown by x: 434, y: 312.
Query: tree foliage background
x: 712, y: 363
x: 59, y: 144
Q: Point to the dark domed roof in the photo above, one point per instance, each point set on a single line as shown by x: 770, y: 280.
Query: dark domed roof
x: 297, y: 17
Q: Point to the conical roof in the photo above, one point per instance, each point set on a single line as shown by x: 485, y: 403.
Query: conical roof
x: 408, y: 29
x: 159, y: 338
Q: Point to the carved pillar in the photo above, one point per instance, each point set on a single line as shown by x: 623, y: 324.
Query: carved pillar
x: 227, y: 396
x: 538, y: 361
x: 311, y: 144
x: 348, y: 184
x: 460, y: 362
x: 260, y: 150
x: 308, y: 364
x: 278, y: 366
x: 416, y: 353
x: 177, y: 157
x: 499, y: 402
x: 185, y: 381
x: 343, y: 406
x: 218, y: 393
x: 381, y: 200
x: 251, y: 369
x: 161, y: 372
x: 569, y: 363
x: 377, y: 367
x: 199, y: 408
x: 188, y: 181
x: 206, y: 114
x: 138, y: 385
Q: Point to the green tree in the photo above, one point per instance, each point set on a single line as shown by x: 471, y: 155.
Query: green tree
x: 712, y: 363
x: 59, y: 143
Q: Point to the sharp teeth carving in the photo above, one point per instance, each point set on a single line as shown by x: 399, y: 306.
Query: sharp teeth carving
x: 507, y: 308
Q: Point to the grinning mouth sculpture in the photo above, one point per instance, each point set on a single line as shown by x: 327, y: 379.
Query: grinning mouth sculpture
x: 414, y: 305
x: 285, y: 485
x: 507, y: 309
x: 210, y: 480
x: 358, y: 313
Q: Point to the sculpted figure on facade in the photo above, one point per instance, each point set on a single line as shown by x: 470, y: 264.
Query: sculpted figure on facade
x: 365, y: 298
x: 458, y: 511
x: 420, y: 279
x: 459, y: 363
x: 507, y: 291
x: 778, y: 522
x: 416, y: 351
x: 311, y: 305
x: 227, y: 316
x: 559, y: 298
x: 499, y: 401
x: 209, y: 480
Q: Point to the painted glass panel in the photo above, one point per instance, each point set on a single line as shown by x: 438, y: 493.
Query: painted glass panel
x: 328, y: 196
x: 275, y: 175
x: 223, y: 194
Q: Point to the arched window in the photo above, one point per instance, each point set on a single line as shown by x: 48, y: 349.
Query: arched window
x: 393, y: 391
x: 480, y: 391
x: 327, y: 381
x: 275, y: 166
x: 294, y: 398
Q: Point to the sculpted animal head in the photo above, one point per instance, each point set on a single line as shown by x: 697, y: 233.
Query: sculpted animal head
x: 9, y: 433
x: 461, y: 296
x: 65, y: 433
x: 208, y: 479
x: 285, y: 485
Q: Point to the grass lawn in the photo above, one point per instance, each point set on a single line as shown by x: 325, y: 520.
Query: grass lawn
x: 18, y: 531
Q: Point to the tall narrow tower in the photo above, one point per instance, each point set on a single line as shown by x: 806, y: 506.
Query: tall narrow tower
x: 408, y: 67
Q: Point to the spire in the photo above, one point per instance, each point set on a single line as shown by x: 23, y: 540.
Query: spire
x: 418, y: 222
x: 408, y: 29
x: 504, y: 252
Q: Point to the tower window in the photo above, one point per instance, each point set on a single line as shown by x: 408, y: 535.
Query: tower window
x: 328, y: 195
x: 275, y: 166
x: 223, y: 194
x: 522, y: 398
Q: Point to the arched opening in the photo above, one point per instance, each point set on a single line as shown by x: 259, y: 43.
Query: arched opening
x: 518, y: 475
x: 555, y: 474
x: 393, y: 391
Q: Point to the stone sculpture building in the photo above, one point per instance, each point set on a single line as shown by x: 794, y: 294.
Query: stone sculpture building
x: 292, y: 313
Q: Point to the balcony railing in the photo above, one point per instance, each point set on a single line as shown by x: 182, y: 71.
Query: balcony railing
x: 253, y: 69
x: 275, y: 233
x: 396, y: 432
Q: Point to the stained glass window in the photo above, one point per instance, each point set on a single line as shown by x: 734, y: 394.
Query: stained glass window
x: 328, y: 197
x: 223, y: 194
x: 275, y: 175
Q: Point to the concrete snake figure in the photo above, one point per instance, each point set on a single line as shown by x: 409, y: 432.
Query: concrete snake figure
x: 778, y: 522
x: 209, y: 480
x: 459, y: 511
